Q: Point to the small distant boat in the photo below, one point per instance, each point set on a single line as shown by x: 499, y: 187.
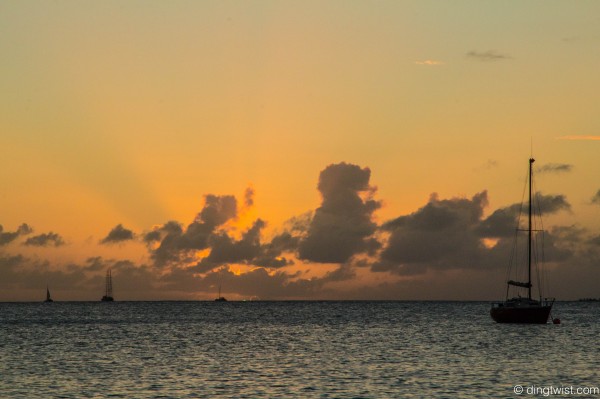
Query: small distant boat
x: 48, y: 299
x: 220, y: 298
x: 108, y: 294
x: 524, y: 309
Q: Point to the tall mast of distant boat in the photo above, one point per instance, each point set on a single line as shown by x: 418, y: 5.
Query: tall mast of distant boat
x: 108, y: 283
x: 108, y: 288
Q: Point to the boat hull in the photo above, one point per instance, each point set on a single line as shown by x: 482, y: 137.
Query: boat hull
x: 528, y: 315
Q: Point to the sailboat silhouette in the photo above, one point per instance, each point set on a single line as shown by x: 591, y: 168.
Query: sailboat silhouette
x: 108, y: 295
x: 525, y: 309
x: 48, y: 299
x: 220, y: 298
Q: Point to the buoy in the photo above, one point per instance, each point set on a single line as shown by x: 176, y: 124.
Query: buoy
x: 556, y: 321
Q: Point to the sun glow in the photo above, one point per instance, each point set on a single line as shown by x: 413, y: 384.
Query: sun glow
x: 489, y: 242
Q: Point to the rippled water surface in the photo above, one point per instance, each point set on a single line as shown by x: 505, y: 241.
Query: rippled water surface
x: 289, y: 349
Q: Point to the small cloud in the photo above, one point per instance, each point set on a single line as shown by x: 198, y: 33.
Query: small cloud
x: 488, y: 165
x: 487, y: 56
x: 9, y: 236
x: 596, y: 198
x: 555, y: 168
x: 429, y: 63
x: 579, y: 137
x: 44, y: 240
x: 118, y: 234
x: 24, y: 229
x: 249, y: 197
x: 571, y: 39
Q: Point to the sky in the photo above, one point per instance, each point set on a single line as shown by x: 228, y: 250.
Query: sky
x: 295, y: 150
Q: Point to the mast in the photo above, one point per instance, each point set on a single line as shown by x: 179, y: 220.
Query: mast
x: 531, y: 161
x: 108, y: 284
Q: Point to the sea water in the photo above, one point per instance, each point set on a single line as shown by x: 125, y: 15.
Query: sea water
x: 290, y: 350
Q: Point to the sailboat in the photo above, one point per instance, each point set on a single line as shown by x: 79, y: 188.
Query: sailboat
x: 524, y: 309
x: 108, y: 290
x: 220, y: 298
x: 48, y: 299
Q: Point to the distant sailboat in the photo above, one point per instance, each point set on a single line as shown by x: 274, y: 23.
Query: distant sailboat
x: 524, y: 309
x: 108, y: 295
x: 48, y: 299
x: 220, y: 298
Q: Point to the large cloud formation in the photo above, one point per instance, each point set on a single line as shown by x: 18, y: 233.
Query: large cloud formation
x: 452, y: 234
x: 177, y: 244
x: 343, y: 225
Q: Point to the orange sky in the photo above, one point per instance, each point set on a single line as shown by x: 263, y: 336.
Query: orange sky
x: 132, y: 113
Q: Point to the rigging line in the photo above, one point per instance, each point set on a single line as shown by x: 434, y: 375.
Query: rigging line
x: 542, y: 278
x: 514, y: 260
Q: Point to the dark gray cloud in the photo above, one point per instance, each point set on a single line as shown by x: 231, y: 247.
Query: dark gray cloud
x: 595, y: 240
x: 217, y: 210
x: 21, y: 275
x: 487, y: 56
x: 270, y: 253
x: 118, y: 234
x: 248, y: 250
x: 548, y: 204
x: 501, y: 223
x: 596, y: 198
x: 9, y: 236
x: 45, y: 240
x: 176, y: 244
x: 442, y: 233
x: 341, y: 227
x: 555, y: 168
x: 260, y: 284
x: 249, y: 197
x: 224, y: 249
x: 450, y: 234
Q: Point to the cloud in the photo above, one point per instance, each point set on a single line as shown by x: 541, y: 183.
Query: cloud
x: 490, y: 164
x: 247, y: 250
x: 443, y: 233
x: 555, y: 168
x: 342, y: 226
x: 177, y: 244
x: 596, y: 198
x: 451, y: 234
x: 20, y: 274
x: 500, y: 224
x: 44, y: 240
x: 579, y: 137
x: 118, y: 234
x: 249, y: 197
x: 548, y: 204
x: 429, y: 63
x: 10, y: 236
x: 224, y: 249
x: 487, y: 56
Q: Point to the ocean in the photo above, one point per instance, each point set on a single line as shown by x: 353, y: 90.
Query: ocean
x: 301, y: 349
